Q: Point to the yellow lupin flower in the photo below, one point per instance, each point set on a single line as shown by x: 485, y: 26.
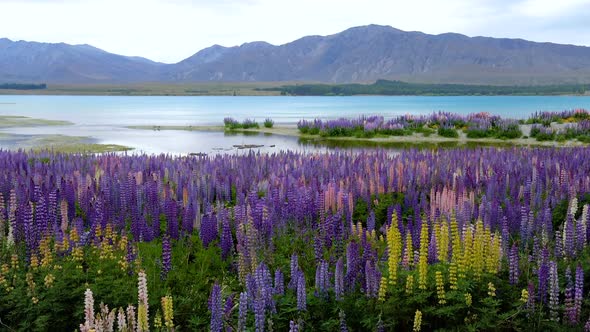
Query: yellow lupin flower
x: 423, y: 262
x: 410, y: 284
x: 65, y: 244
x: 468, y: 299
x: 465, y: 263
x: 74, y: 236
x: 123, y: 243
x: 524, y: 295
x: 123, y: 263
x: 443, y: 242
x: 436, y: 229
x: 34, y: 261
x: 479, y: 247
x: 158, y: 320
x: 98, y: 231
x: 142, y: 319
x: 78, y: 255
x: 394, y: 244
x: 491, y: 289
x: 417, y: 321
x: 382, y: 289
x: 456, y: 240
x: 167, y: 308
x: 14, y: 261
x: 45, y: 250
x: 495, y: 254
x: 440, y: 288
x: 30, y: 283
x: 453, y: 276
x: 108, y: 233
x: 3, y: 281
x: 106, y: 249
x: 49, y: 278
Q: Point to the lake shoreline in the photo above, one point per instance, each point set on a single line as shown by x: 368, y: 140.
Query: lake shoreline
x: 292, y: 131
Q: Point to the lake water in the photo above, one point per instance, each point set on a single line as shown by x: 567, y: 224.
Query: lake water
x: 105, y: 118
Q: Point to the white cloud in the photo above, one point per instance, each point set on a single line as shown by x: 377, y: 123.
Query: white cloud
x: 170, y: 30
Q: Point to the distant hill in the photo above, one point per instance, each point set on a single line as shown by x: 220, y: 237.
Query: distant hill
x: 63, y: 63
x: 357, y: 55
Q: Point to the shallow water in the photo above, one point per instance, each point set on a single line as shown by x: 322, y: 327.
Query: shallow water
x: 104, y: 118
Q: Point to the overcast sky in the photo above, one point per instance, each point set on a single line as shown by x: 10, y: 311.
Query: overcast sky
x: 171, y: 30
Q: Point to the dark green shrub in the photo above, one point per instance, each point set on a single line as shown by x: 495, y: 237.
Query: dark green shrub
x: 448, y: 132
x: 478, y: 133
x: 269, y: 123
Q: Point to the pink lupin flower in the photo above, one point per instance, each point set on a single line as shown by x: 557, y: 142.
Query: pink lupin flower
x: 88, y: 312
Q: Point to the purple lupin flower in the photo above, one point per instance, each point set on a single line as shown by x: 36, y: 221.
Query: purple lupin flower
x: 318, y: 249
x: 242, y: 311
x: 251, y: 290
x: 301, y: 292
x: 227, y: 241
x: 279, y: 288
x: 130, y: 256
x: 41, y: 217
x: 553, y: 291
x: 259, y: 314
x: 531, y: 300
x: 371, y: 280
x: 543, y: 281
x: 294, y: 272
x: 514, y: 268
x: 371, y: 221
x: 29, y: 230
x: 229, y: 305
x: 187, y: 219
x: 322, y: 281
x: 339, y: 279
x: 171, y: 211
x: 342, y: 319
x: 293, y: 326
x: 352, y: 265
x: 264, y: 287
x: 208, y: 229
x: 578, y: 294
x: 216, y: 308
x: 570, y: 312
x: 166, y: 257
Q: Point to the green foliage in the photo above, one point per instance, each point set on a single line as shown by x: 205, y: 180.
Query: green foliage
x: 448, y: 132
x: 268, y: 123
x: 510, y: 132
x: 60, y: 306
x: 478, y: 133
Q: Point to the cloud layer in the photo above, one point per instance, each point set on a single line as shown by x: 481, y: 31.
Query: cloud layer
x: 171, y: 30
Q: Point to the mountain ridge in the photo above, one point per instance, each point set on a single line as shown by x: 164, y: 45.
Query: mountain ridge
x: 356, y: 55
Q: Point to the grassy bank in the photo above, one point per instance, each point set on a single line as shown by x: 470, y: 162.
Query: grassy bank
x: 73, y: 144
x: 381, y: 87
x: 11, y: 121
x: 154, y: 89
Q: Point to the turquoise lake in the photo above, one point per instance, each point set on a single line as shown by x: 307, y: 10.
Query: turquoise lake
x: 104, y: 118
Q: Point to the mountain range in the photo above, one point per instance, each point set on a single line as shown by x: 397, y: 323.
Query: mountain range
x: 361, y: 54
